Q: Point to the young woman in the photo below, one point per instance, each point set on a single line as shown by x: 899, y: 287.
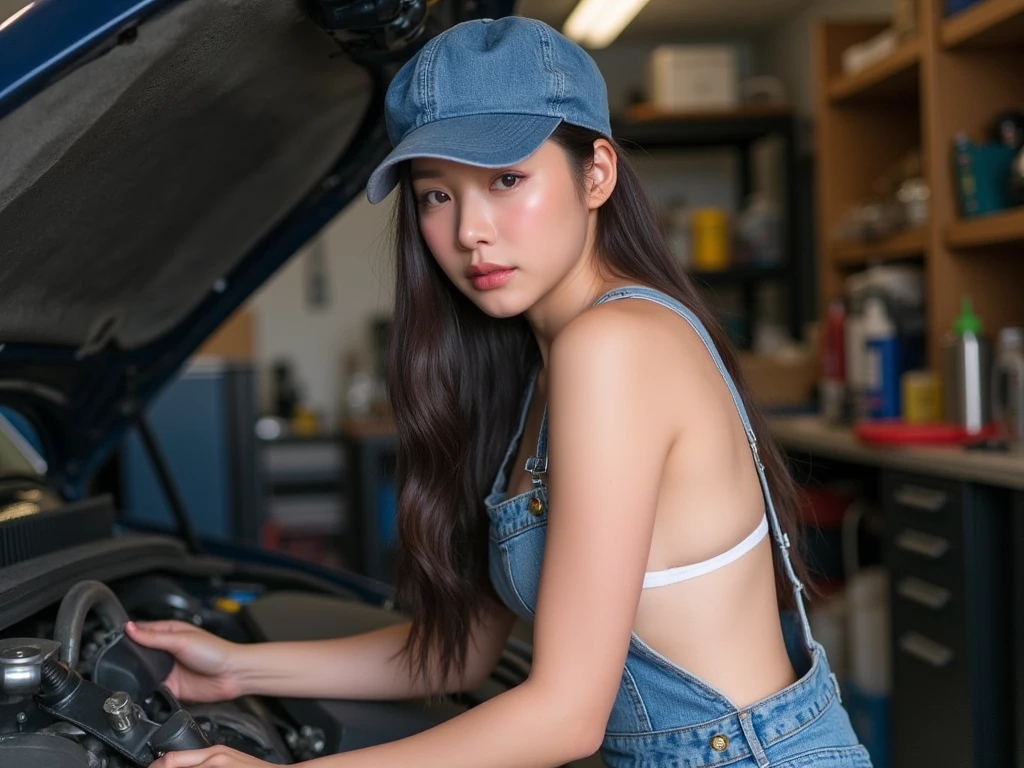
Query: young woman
x: 576, y: 449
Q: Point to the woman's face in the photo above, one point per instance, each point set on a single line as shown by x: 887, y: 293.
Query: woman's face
x: 505, y: 237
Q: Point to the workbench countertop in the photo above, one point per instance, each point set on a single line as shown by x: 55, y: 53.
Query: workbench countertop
x: 813, y: 435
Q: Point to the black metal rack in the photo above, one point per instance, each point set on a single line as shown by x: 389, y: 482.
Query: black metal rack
x: 370, y: 456
x: 648, y: 131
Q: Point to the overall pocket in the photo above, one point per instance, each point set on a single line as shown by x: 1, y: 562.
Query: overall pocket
x: 517, y: 533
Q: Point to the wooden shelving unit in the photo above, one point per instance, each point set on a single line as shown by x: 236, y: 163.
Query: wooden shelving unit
x: 894, y: 76
x: 992, y: 22
x: 911, y: 243
x: 954, y: 76
x: 1005, y: 227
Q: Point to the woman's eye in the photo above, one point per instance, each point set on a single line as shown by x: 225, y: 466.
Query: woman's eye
x: 435, y: 197
x: 506, y: 181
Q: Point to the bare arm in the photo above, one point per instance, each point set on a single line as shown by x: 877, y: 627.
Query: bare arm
x: 366, y: 666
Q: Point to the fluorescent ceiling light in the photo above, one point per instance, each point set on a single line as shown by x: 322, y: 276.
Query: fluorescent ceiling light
x: 17, y: 15
x: 595, y: 23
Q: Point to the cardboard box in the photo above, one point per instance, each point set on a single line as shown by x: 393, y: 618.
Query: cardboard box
x: 684, y: 78
x: 780, y: 382
x: 234, y: 340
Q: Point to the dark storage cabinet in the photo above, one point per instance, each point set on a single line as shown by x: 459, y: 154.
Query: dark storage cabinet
x: 1017, y: 601
x: 948, y: 546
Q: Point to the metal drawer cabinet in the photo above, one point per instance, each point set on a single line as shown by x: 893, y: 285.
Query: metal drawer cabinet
x: 947, y: 546
x: 935, y: 560
x: 931, y: 504
x: 1017, y: 601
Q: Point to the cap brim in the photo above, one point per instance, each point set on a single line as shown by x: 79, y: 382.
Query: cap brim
x: 488, y: 141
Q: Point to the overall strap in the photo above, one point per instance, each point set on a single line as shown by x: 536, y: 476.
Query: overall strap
x: 501, y: 479
x: 537, y: 465
x: 781, y: 539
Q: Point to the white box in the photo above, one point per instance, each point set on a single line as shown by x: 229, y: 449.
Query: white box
x: 693, y: 77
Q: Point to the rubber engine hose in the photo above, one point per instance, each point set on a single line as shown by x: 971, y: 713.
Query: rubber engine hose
x: 80, y: 600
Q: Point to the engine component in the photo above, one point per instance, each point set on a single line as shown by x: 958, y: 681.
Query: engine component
x: 357, y: 14
x: 121, y: 712
x: 177, y: 734
x: 308, y: 742
x: 31, y: 750
x: 244, y: 724
x: 76, y: 606
x: 158, y: 597
x: 369, y: 27
x: 124, y: 665
x: 21, y: 663
x: 66, y: 695
x: 30, y: 528
x: 121, y: 664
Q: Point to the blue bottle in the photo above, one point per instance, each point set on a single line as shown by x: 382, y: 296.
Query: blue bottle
x: 882, y: 353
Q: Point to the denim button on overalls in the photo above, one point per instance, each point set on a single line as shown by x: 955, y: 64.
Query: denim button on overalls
x: 663, y: 716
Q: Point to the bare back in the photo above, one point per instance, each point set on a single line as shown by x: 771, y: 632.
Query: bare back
x: 724, y: 626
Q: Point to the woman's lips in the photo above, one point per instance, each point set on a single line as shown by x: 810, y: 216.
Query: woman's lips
x: 490, y: 280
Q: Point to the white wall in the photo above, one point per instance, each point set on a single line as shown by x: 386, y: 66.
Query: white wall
x: 358, y: 264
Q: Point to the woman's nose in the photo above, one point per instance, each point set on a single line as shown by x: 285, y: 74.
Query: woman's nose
x: 476, y: 226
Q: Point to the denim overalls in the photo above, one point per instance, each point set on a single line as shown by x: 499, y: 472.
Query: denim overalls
x: 663, y: 716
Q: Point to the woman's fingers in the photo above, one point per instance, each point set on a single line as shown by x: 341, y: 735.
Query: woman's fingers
x: 192, y: 757
x: 167, y: 625
x: 213, y: 757
x: 170, y: 636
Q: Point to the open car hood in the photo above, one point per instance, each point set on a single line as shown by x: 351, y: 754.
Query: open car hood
x: 159, y: 160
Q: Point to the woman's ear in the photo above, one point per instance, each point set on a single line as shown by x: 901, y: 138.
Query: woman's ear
x: 602, y: 174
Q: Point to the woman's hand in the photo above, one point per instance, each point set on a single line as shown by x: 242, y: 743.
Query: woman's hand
x: 213, y: 757
x: 205, y: 668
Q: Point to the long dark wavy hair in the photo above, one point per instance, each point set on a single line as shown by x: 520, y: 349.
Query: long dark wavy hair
x: 456, y: 377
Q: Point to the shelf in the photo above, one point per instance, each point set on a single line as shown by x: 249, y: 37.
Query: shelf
x: 895, y: 75
x: 646, y: 111
x: 648, y: 127
x: 906, y: 244
x: 989, y: 22
x: 994, y: 229
x: 743, y: 274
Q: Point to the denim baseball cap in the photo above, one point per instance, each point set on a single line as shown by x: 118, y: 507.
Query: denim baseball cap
x: 488, y: 93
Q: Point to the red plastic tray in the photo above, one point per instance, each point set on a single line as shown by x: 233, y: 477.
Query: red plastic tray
x: 901, y: 433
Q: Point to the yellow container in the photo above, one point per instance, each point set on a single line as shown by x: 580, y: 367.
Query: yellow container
x: 710, y: 228
x: 922, y: 397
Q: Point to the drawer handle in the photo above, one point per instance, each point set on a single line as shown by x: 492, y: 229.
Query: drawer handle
x: 930, y: 652
x: 916, y: 497
x: 923, y: 593
x: 923, y: 544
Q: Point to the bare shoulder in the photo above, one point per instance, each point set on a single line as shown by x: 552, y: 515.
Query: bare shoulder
x: 642, y: 336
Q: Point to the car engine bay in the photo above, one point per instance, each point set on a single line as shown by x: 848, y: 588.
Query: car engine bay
x: 165, y: 158
x: 84, y: 695
x: 77, y: 692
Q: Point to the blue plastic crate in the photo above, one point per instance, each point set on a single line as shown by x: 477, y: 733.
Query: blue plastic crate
x: 955, y: 6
